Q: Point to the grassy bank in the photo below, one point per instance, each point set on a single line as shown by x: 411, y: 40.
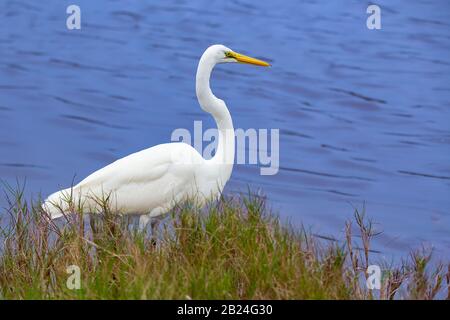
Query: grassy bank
x: 234, y: 249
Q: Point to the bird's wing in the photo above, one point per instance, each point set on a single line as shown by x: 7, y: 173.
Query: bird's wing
x: 151, y: 179
x: 138, y: 168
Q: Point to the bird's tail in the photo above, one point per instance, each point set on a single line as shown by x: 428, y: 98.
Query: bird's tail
x: 58, y: 203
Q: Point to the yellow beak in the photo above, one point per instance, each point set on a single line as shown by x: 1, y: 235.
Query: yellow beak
x: 245, y: 59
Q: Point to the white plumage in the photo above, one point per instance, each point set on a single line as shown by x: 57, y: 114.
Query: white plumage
x: 150, y: 182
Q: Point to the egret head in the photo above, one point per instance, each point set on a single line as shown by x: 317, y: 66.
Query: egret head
x: 213, y: 55
x: 222, y: 54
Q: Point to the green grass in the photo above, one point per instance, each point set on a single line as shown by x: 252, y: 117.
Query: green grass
x: 233, y: 249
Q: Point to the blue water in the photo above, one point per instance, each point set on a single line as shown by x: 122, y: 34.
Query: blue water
x: 363, y: 114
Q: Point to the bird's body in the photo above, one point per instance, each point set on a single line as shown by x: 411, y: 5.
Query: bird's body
x: 148, y: 182
x: 152, y: 181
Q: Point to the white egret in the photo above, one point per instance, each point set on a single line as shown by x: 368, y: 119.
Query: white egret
x: 150, y: 182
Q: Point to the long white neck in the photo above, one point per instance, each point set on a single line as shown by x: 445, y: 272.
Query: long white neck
x: 224, y: 155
